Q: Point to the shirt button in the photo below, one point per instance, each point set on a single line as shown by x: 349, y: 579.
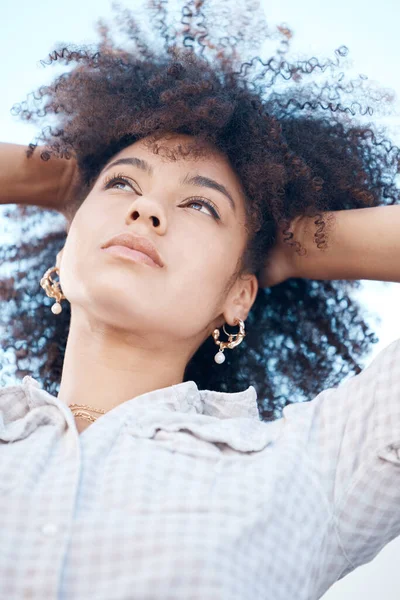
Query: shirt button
x: 49, y: 529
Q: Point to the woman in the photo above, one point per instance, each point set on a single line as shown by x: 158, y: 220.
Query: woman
x: 158, y: 470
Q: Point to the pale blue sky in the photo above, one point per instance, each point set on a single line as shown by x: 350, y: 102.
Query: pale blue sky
x: 29, y: 30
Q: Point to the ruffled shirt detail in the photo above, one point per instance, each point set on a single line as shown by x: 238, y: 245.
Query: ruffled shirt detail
x: 224, y: 418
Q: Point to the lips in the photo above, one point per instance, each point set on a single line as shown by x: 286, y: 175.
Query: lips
x: 138, y: 243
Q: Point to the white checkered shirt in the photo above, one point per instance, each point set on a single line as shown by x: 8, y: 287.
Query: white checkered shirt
x: 184, y: 494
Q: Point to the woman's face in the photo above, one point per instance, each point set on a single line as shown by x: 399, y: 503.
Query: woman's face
x: 199, y: 245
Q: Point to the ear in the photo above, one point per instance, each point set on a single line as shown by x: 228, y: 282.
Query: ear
x: 241, y: 298
x: 59, y: 257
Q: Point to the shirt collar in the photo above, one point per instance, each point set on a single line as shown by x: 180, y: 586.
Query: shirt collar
x: 230, y: 419
x: 182, y: 397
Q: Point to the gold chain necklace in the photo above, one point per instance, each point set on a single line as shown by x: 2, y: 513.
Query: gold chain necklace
x: 75, y: 408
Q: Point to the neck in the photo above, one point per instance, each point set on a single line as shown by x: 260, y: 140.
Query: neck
x: 104, y: 367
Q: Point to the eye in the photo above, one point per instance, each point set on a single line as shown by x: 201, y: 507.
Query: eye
x: 112, y: 180
x: 202, y: 202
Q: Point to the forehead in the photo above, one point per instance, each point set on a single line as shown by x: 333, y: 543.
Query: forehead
x: 181, y: 153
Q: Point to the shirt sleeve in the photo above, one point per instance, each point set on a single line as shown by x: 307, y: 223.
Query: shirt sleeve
x: 352, y: 434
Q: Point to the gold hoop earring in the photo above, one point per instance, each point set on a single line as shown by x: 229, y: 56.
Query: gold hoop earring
x: 53, y: 290
x: 231, y: 343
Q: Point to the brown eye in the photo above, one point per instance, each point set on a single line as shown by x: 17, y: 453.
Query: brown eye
x: 111, y: 181
x: 207, y: 203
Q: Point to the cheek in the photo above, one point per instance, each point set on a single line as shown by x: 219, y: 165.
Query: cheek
x: 200, y: 276
x: 214, y: 259
x: 73, y: 263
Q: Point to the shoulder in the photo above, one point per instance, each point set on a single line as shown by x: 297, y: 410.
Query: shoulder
x: 352, y: 437
x: 377, y: 384
x: 15, y: 401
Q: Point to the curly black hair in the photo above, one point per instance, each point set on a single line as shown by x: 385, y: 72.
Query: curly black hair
x: 297, y: 148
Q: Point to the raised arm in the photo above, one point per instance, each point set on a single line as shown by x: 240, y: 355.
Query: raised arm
x: 362, y: 243
x: 33, y: 181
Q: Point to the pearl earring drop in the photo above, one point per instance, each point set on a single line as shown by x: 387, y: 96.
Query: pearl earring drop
x: 219, y: 357
x: 231, y: 343
x: 56, y: 308
x: 53, y: 290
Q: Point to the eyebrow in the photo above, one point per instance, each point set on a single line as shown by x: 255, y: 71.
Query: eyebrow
x: 136, y: 162
x: 198, y: 180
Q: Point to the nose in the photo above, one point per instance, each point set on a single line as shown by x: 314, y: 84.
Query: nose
x: 148, y: 211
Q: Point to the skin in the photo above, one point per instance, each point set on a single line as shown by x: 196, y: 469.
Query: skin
x: 135, y: 327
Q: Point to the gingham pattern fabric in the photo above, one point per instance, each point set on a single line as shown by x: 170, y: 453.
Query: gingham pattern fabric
x: 184, y: 494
